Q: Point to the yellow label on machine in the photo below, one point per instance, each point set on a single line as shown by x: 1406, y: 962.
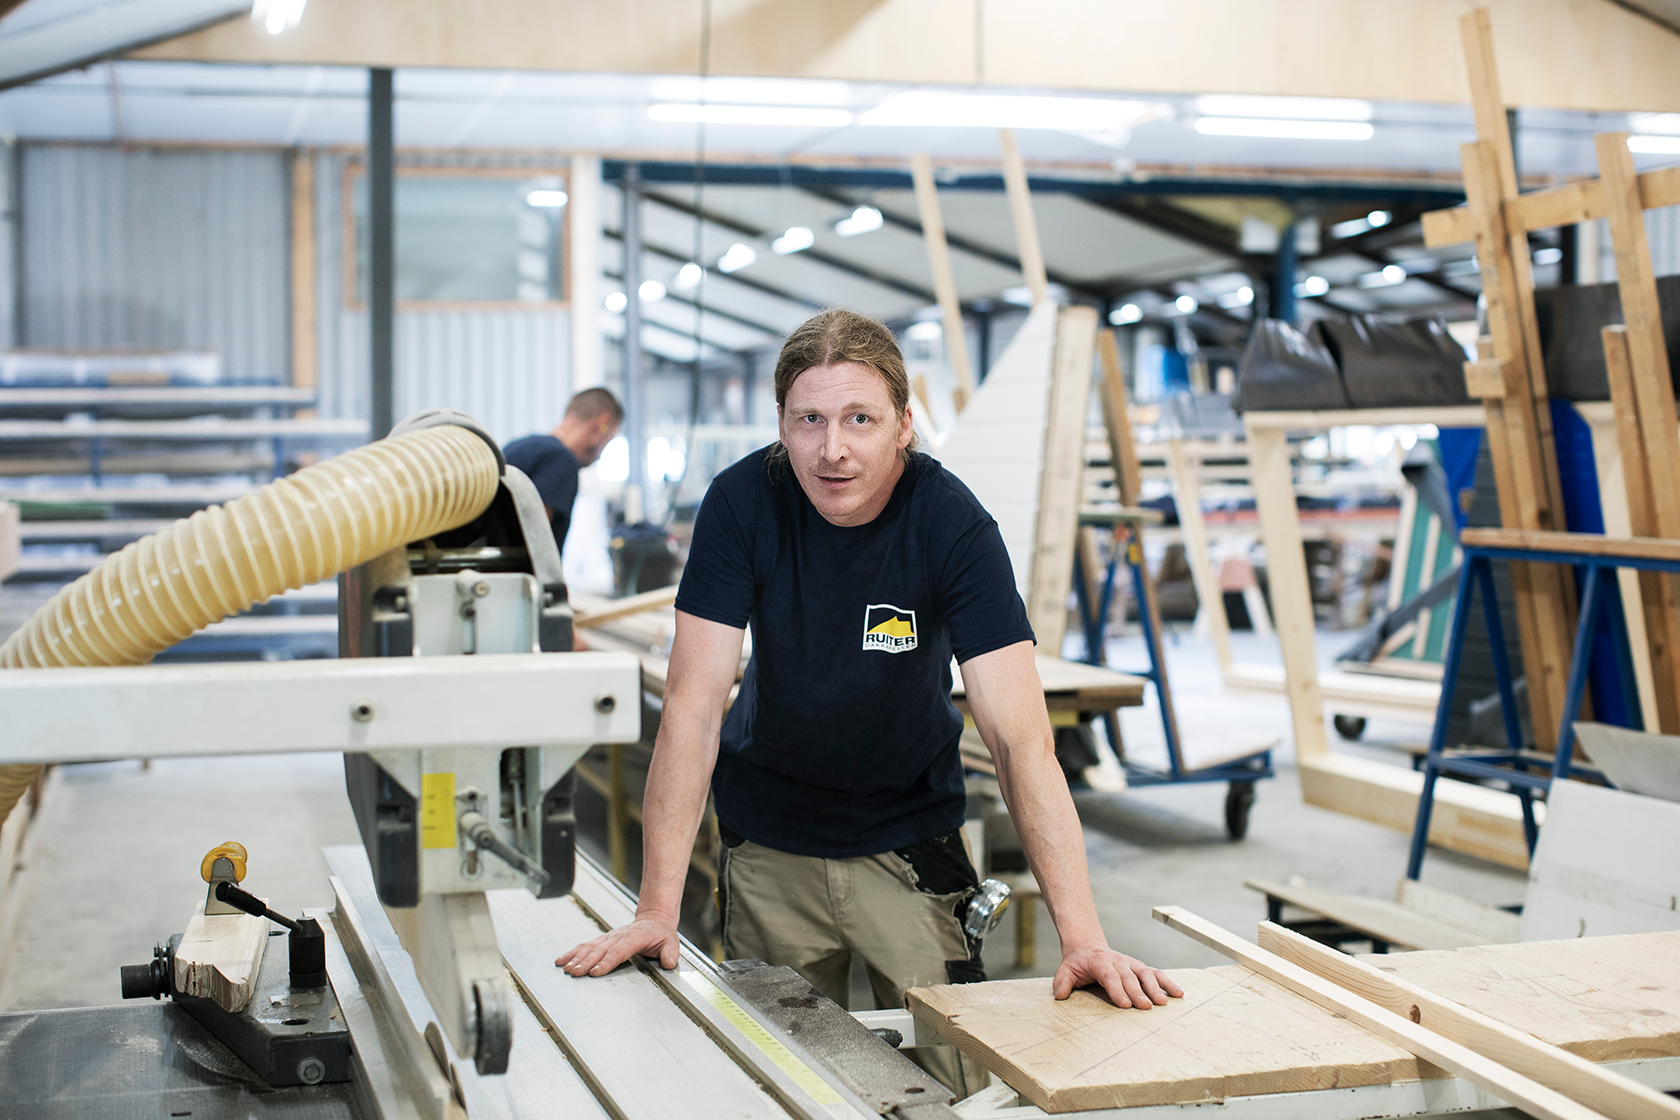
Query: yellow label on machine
x: 803, y: 1075
x: 437, y: 810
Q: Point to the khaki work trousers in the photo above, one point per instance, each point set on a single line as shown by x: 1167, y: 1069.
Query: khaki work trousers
x: 813, y: 915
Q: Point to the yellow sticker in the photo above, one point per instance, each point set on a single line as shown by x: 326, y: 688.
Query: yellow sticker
x: 803, y: 1075
x: 437, y: 810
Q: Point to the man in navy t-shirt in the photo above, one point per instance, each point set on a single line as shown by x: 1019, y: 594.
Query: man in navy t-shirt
x: 862, y: 568
x: 553, y: 461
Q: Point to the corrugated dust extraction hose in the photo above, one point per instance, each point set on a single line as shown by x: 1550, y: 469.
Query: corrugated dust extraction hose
x: 295, y: 531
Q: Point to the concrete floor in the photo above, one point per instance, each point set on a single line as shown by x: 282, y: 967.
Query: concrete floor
x: 112, y: 865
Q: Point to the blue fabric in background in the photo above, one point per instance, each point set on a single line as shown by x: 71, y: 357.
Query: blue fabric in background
x: 1583, y: 514
x: 1458, y: 448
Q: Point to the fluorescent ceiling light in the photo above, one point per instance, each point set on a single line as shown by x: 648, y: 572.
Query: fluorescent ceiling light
x: 736, y: 257
x: 616, y: 302
x: 1020, y: 295
x: 1297, y: 108
x: 1654, y: 145
x: 1186, y: 304
x: 1665, y: 123
x: 792, y: 116
x: 865, y: 219
x: 546, y: 198
x: 1312, y: 286
x: 688, y: 276
x: 926, y: 331
x: 277, y: 15
x: 651, y: 291
x: 1379, y: 218
x: 927, y: 108
x: 1550, y: 255
x: 1242, y: 297
x: 795, y: 240
x: 1125, y: 313
x: 1284, y: 129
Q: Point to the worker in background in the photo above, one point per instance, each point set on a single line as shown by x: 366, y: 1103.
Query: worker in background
x: 553, y: 461
x: 862, y: 566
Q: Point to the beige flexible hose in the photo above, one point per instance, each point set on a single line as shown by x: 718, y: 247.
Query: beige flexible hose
x: 295, y: 531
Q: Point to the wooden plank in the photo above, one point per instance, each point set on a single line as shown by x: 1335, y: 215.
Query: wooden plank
x: 1573, y: 1076
x: 1059, y: 482
x: 1232, y: 1034
x: 303, y: 269
x: 1647, y: 352
x: 1381, y: 918
x: 1604, y: 998
x: 1448, y: 416
x: 1470, y: 819
x: 1611, y: 465
x: 1492, y: 924
x: 1573, y: 544
x: 1085, y: 684
x: 1523, y: 1092
x: 1567, y: 205
x: 944, y: 279
x: 1657, y: 603
x: 219, y: 955
x: 1490, y: 378
x: 1286, y: 568
x: 1198, y: 553
x: 1543, y: 625
x: 616, y: 609
x: 1021, y: 212
x: 1117, y: 421
x: 1442, y: 228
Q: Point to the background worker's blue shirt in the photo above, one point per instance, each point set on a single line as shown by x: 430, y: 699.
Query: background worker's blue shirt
x: 554, y: 471
x: 843, y: 739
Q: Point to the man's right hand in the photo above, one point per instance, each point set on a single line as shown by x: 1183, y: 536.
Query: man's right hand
x: 647, y: 937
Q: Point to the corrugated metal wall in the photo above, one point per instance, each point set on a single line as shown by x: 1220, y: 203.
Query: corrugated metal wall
x: 508, y: 368
x: 157, y: 248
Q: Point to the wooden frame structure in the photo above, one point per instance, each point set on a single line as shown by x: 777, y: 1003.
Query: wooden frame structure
x: 1511, y: 380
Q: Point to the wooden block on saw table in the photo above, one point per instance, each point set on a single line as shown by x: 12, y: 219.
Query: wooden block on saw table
x: 219, y: 955
x: 1233, y: 1034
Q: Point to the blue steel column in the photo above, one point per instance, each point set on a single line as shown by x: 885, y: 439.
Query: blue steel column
x: 1283, y: 284
x: 382, y: 250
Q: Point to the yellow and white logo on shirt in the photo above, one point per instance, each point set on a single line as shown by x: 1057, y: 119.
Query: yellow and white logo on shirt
x: 889, y: 628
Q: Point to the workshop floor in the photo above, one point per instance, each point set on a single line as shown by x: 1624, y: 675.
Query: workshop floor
x: 112, y: 864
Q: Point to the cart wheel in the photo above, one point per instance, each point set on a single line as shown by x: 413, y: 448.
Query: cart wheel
x: 1349, y: 727
x: 1239, y: 798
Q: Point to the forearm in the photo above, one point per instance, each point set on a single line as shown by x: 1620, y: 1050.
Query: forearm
x: 675, y: 800
x: 1037, y: 797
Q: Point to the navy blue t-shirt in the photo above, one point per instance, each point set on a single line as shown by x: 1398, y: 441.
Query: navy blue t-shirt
x: 843, y: 740
x: 554, y: 470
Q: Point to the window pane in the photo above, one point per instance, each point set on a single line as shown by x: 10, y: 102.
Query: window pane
x: 470, y: 239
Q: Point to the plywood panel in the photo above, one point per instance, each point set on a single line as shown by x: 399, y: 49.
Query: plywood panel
x: 1233, y: 1034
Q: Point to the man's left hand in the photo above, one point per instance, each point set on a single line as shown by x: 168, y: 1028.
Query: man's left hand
x: 1128, y: 982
